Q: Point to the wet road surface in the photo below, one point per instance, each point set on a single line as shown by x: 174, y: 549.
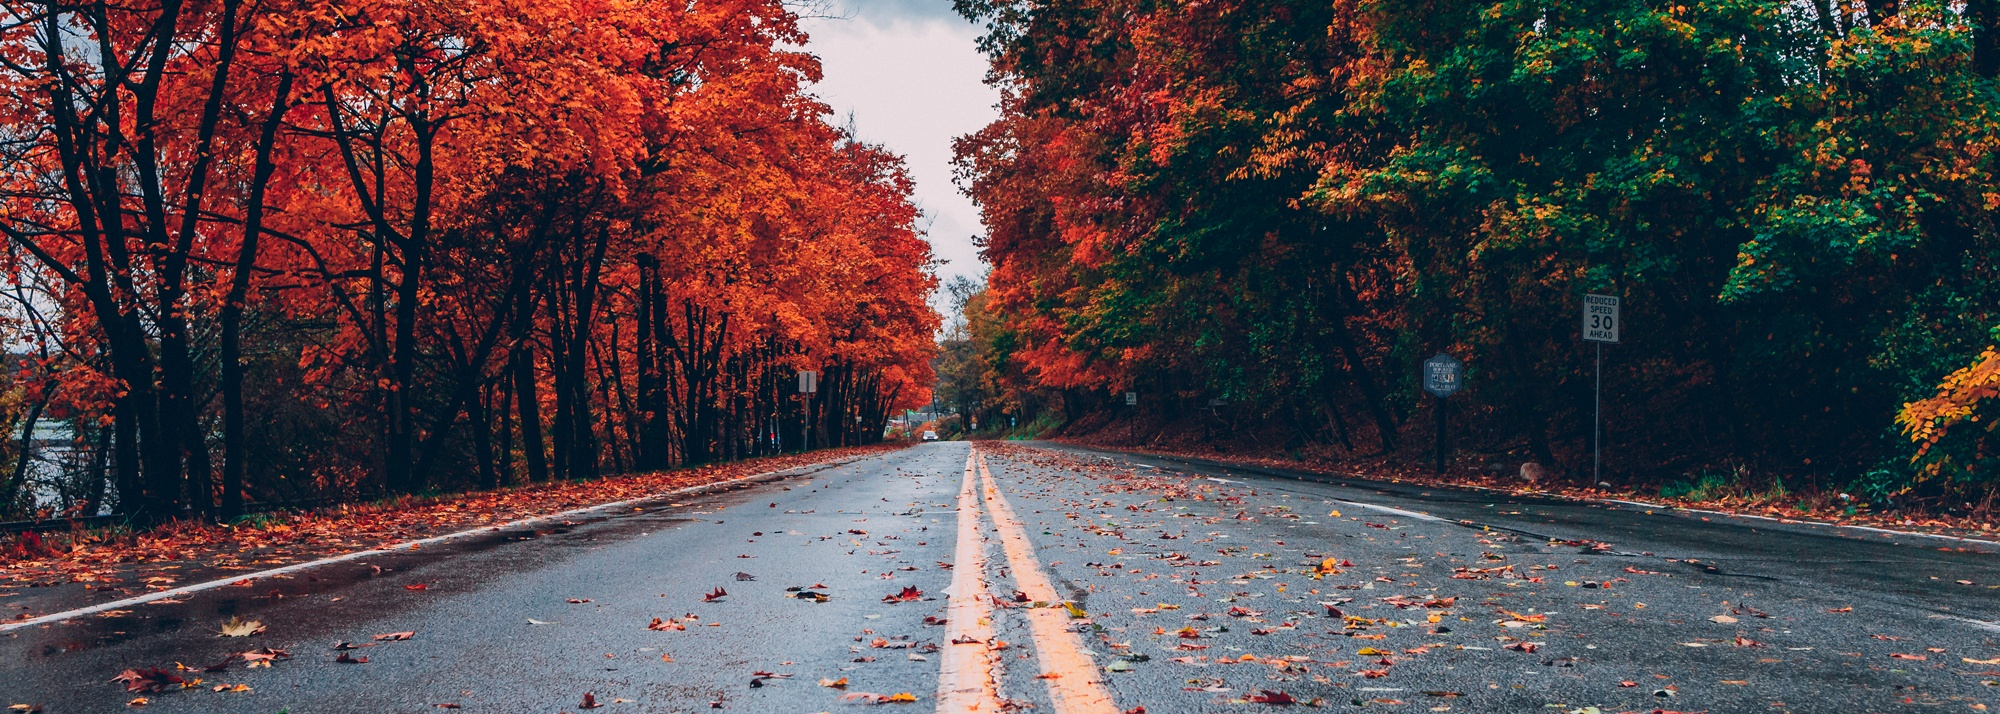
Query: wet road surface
x: 1103, y: 582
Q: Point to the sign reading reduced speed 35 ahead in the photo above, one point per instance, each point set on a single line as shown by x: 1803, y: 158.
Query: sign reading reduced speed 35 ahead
x: 1600, y: 318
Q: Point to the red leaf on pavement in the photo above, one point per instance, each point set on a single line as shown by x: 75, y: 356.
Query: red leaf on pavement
x: 417, y: 586
x: 909, y: 594
x: 264, y: 654
x: 1271, y: 697
x: 589, y: 701
x: 395, y: 636
x: 714, y: 596
x: 150, y: 679
x: 1899, y: 655
x: 1528, y: 647
x: 346, y: 658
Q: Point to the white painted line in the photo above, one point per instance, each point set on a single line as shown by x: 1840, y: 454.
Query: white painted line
x: 1664, y: 507
x: 1804, y: 522
x: 1221, y: 480
x: 1397, y: 511
x: 412, y: 545
x: 1981, y: 624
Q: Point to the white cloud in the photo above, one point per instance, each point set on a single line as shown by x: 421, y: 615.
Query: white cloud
x: 910, y: 76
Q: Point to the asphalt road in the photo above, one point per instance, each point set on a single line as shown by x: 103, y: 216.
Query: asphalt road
x: 1163, y: 584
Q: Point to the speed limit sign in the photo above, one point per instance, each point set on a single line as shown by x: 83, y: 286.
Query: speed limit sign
x: 1600, y: 318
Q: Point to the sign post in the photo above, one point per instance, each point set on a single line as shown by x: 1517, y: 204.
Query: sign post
x: 1600, y: 325
x: 808, y: 384
x: 1443, y: 377
x: 1131, y: 424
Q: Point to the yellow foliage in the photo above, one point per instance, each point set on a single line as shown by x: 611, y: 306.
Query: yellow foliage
x: 1926, y: 421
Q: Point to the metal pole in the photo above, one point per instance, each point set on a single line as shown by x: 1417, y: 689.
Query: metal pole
x: 1597, y: 423
x: 1439, y: 468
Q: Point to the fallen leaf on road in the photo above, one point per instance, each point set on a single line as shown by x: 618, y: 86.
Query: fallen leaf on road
x: 263, y: 656
x: 834, y: 683
x: 714, y: 596
x: 395, y: 636
x: 873, y: 698
x: 1267, y: 696
x: 908, y: 594
x: 230, y: 688
x: 1899, y: 655
x: 1723, y: 619
x: 417, y: 586
x: 589, y: 701
x: 745, y: 576
x: 1528, y: 647
x: 151, y: 679
x: 576, y: 601
x: 239, y: 627
x: 533, y: 621
x: 1842, y: 609
x: 1995, y: 660
x: 138, y: 702
x: 346, y: 658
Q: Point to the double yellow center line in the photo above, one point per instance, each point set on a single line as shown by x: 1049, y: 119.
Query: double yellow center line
x: 966, y: 682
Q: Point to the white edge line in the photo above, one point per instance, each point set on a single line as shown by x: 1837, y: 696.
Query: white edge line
x: 1397, y: 511
x: 1808, y: 522
x: 1981, y: 624
x: 415, y: 544
x: 1782, y: 521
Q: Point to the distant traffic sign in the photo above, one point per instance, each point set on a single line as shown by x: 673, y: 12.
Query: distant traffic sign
x: 808, y: 382
x: 1131, y: 399
x: 1443, y: 375
x: 1600, y: 318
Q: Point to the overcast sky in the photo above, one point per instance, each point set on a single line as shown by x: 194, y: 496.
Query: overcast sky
x: 909, y: 75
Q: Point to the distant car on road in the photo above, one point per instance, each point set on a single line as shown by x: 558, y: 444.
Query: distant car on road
x: 930, y: 435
